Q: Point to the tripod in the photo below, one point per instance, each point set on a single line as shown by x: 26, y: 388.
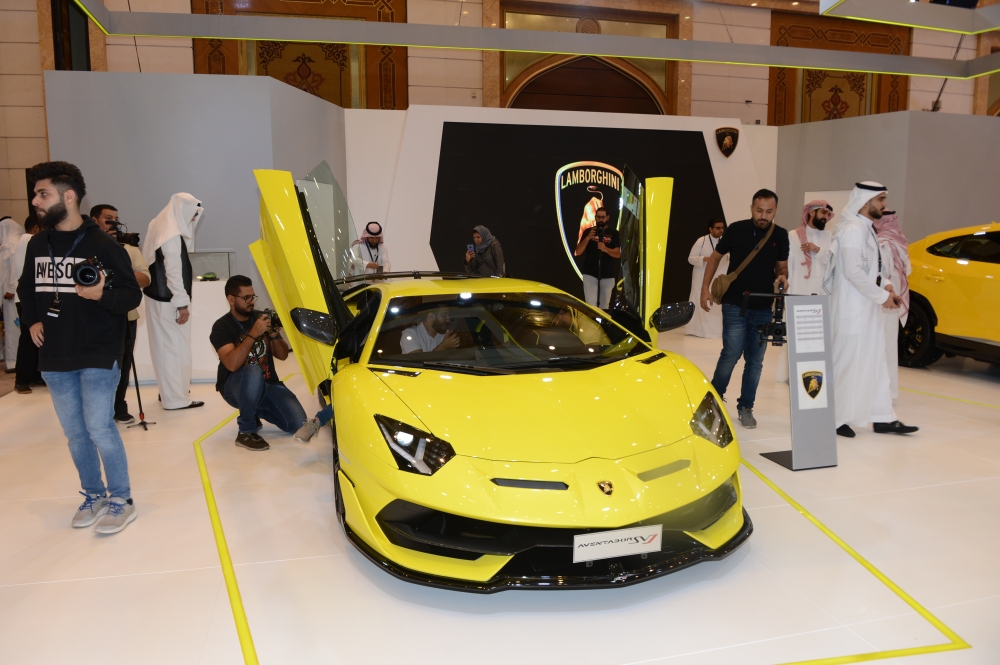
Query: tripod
x: 135, y: 375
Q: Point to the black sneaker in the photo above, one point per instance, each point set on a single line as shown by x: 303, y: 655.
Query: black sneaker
x: 22, y: 389
x: 251, y: 441
x: 895, y: 427
x: 845, y: 430
x: 125, y: 419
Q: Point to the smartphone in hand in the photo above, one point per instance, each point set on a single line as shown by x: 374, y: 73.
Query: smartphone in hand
x: 471, y: 248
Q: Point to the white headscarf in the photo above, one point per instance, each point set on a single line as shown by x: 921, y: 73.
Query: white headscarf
x: 179, y: 218
x: 862, y: 193
x: 10, y: 233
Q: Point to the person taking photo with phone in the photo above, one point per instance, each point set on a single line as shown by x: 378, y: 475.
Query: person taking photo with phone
x: 78, y: 326
x: 601, y: 250
x: 485, y: 256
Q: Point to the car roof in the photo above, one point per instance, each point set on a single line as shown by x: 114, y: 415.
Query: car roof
x: 954, y: 233
x: 428, y: 286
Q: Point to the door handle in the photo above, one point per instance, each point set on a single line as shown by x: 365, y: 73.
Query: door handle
x: 935, y: 278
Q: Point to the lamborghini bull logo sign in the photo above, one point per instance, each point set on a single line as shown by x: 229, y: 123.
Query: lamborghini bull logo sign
x: 813, y: 383
x: 727, y: 138
x: 582, y: 188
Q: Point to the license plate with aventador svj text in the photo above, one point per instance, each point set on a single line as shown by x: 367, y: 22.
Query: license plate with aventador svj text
x: 623, y: 542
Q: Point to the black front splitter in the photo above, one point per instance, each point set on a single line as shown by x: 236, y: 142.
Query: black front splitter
x: 617, y: 577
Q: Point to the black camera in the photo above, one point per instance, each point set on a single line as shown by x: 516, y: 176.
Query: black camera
x: 88, y: 273
x: 123, y: 236
x: 775, y: 331
x: 273, y: 315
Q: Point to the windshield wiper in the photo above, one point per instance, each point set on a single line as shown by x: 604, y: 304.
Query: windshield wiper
x: 467, y: 369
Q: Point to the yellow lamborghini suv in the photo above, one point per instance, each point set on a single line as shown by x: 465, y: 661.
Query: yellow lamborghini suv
x: 954, y: 297
x: 492, y: 433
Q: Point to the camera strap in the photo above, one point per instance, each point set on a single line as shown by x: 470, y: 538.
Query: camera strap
x: 57, y: 303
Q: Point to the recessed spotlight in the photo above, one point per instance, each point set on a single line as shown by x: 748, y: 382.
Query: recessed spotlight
x: 465, y: 295
x: 536, y: 303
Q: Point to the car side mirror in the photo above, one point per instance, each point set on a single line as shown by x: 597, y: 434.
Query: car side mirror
x: 672, y: 316
x: 315, y: 325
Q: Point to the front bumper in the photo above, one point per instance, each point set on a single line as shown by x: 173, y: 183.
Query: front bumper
x: 553, y: 568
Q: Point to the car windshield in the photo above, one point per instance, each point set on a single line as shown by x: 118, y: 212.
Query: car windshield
x: 499, y: 333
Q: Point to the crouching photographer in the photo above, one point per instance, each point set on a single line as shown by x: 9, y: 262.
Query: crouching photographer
x: 247, y: 341
x: 76, y: 290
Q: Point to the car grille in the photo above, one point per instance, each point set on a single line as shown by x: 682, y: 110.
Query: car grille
x: 431, y: 531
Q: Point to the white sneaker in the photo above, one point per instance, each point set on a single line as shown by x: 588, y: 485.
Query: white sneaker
x: 119, y: 513
x: 91, y: 510
x: 308, y: 430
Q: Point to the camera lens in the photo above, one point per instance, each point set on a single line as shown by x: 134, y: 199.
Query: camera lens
x: 86, y: 275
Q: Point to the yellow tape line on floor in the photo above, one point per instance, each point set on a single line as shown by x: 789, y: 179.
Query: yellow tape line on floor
x: 954, y: 399
x: 955, y: 642
x: 228, y: 574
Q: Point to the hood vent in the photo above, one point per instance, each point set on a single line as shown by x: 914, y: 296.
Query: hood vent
x: 530, y: 484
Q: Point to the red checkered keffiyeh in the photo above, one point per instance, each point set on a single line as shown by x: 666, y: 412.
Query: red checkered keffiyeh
x: 888, y: 228
x: 803, y: 238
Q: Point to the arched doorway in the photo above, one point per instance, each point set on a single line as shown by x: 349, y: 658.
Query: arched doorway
x: 565, y: 83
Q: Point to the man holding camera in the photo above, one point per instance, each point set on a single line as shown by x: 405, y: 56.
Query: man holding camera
x: 601, y: 249
x: 758, y: 251
x: 106, y: 217
x: 76, y: 290
x: 247, y: 341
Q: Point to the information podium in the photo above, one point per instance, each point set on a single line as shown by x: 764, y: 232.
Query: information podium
x: 810, y: 385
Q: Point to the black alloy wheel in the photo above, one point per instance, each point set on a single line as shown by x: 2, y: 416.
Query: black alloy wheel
x: 916, y: 338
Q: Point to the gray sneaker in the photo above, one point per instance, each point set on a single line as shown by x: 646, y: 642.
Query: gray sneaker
x: 120, y: 513
x: 746, y: 417
x: 308, y: 430
x: 90, y: 510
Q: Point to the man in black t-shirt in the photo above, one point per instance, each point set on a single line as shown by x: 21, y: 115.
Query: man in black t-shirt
x: 768, y: 268
x: 247, y: 345
x: 601, y: 251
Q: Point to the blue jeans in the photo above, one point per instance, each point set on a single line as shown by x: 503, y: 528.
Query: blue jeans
x: 325, y: 415
x: 85, y: 403
x: 246, y: 390
x: 739, y: 338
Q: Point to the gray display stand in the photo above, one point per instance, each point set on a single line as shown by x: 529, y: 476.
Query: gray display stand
x: 810, y: 385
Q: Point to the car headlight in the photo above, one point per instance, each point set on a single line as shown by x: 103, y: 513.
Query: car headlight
x: 415, y: 451
x: 709, y: 422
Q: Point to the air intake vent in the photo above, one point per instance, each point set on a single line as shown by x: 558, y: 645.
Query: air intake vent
x: 530, y: 484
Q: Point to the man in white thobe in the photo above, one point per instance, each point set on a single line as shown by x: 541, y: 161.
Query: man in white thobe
x: 168, y: 240
x: 10, y: 233
x: 706, y: 324
x: 893, y: 244
x: 858, y: 292
x: 808, y: 259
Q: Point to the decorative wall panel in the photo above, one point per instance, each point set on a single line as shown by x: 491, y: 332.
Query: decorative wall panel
x: 811, y: 95
x: 350, y: 76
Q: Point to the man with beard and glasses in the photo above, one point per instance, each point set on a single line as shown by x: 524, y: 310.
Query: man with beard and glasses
x: 763, y: 246
x: 80, y: 334
x: 247, y: 345
x: 808, y: 259
x: 106, y: 217
x: 859, y: 290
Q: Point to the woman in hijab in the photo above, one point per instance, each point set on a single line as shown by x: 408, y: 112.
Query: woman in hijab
x: 486, y: 256
x: 373, y: 252
x: 10, y: 233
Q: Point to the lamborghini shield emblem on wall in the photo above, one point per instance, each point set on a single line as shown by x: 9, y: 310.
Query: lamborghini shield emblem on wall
x: 727, y: 138
x: 582, y: 188
x: 813, y: 383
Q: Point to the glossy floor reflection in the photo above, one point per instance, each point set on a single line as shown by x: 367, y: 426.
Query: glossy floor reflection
x: 922, y: 509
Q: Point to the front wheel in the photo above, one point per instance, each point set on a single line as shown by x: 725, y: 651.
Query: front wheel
x: 916, y: 338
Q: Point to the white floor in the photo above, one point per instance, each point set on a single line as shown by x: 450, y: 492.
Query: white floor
x: 922, y: 509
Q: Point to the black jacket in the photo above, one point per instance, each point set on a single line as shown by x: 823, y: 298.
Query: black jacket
x: 87, y: 333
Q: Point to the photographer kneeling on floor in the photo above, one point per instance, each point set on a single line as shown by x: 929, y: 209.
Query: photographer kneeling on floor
x: 247, y: 341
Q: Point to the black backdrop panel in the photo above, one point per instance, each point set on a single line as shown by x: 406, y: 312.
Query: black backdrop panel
x: 503, y: 177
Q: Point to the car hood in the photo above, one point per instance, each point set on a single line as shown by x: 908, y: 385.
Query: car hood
x: 608, y: 412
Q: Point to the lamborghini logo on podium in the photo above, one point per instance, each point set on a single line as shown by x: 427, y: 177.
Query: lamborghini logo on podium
x: 813, y: 383
x: 582, y: 188
x: 727, y: 138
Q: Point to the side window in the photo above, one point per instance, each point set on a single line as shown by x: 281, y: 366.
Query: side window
x: 947, y: 247
x: 984, y: 248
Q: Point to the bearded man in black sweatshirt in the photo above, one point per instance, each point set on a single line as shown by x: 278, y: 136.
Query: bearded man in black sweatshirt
x: 80, y: 334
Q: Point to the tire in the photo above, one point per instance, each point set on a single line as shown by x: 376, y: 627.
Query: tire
x: 916, y: 338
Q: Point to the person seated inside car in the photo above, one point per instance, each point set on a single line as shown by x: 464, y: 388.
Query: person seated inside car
x: 429, y: 335
x: 581, y: 325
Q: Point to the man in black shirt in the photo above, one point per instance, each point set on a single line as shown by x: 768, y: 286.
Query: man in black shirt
x: 601, y: 250
x: 247, y: 345
x: 768, y: 268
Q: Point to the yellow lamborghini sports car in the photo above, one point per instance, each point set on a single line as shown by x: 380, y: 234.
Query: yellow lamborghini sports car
x: 492, y: 434
x: 954, y: 297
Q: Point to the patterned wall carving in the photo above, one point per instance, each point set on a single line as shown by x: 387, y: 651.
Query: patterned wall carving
x: 823, y: 95
x: 305, y: 64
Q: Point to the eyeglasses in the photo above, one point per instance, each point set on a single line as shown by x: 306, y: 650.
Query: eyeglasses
x: 251, y: 299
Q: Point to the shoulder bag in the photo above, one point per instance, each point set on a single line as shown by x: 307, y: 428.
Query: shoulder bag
x: 721, y: 283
